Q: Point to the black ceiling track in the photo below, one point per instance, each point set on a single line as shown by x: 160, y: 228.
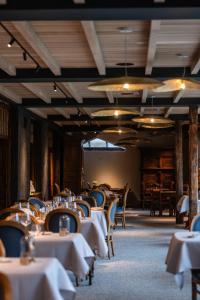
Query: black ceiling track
x: 91, y: 74
x: 99, y: 10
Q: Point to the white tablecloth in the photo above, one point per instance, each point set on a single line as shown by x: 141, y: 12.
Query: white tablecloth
x: 183, y: 254
x: 183, y: 204
x: 99, y: 216
x: 72, y: 251
x: 92, y: 232
x: 43, y: 279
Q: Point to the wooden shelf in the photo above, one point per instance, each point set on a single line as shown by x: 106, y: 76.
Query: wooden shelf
x: 157, y: 171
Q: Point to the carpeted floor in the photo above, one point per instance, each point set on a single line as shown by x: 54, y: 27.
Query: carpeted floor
x: 138, y: 269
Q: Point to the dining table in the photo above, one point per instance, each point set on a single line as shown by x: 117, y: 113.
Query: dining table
x: 44, y: 278
x: 183, y: 204
x: 183, y: 254
x: 72, y: 250
x: 94, y: 235
x: 98, y: 214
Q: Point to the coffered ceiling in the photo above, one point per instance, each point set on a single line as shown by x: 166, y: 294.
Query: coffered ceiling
x: 69, y: 54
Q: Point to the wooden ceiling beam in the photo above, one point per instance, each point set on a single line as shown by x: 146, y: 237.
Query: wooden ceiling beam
x: 196, y: 65
x: 27, y: 32
x: 37, y: 92
x: 110, y: 97
x: 40, y: 93
x: 177, y: 97
x: 7, y: 67
x: 72, y: 91
x: 95, y: 48
x: 8, y: 93
x: 144, y: 96
x: 99, y: 10
x: 153, y: 36
x: 71, y: 75
x: 102, y: 102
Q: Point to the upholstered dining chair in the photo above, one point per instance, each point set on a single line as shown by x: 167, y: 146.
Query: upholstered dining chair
x: 11, y: 233
x: 121, y: 209
x: 195, y: 282
x: 36, y: 202
x: 5, y: 288
x: 110, y: 218
x: 90, y: 200
x: 85, y: 207
x: 195, y: 225
x: 99, y: 196
x: 52, y: 220
x: 6, y: 212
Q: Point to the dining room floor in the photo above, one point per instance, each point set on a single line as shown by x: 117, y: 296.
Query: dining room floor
x: 138, y: 269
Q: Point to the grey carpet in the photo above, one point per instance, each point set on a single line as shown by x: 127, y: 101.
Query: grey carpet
x: 138, y: 269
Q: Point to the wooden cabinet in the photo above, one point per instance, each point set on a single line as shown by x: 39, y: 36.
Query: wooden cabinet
x: 157, y: 172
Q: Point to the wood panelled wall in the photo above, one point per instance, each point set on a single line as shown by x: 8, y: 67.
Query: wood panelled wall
x: 34, y: 149
x: 73, y: 157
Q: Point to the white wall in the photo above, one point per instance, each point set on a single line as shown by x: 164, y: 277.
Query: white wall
x: 114, y: 168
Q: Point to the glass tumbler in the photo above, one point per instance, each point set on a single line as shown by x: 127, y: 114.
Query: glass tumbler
x: 64, y: 225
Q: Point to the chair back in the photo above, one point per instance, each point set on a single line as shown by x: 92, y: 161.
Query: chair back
x: 125, y: 197
x: 6, y: 212
x: 52, y: 220
x: 85, y: 207
x: 110, y: 216
x: 90, y: 200
x: 36, y: 202
x: 11, y: 233
x: 5, y: 288
x: 195, y: 225
x: 57, y: 188
x: 99, y: 196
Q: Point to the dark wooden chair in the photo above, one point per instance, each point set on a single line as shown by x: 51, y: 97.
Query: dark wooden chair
x: 52, y: 220
x: 85, y: 207
x: 11, y: 233
x: 121, y: 209
x: 110, y: 218
x: 195, y: 282
x: 5, y: 288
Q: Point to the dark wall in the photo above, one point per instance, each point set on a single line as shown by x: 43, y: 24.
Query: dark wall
x: 72, y: 163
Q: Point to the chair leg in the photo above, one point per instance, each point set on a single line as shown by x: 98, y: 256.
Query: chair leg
x: 112, y: 246
x: 194, y: 291
x: 108, y: 244
x: 124, y: 222
x: 77, y: 281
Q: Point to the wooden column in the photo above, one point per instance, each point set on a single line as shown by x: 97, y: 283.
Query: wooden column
x: 44, y: 160
x: 179, y: 167
x: 23, y: 155
x: 193, y: 161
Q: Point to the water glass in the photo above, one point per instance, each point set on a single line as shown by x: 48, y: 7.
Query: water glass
x: 26, y: 250
x: 64, y: 225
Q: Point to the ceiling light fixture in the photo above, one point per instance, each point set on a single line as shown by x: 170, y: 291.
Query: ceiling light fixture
x: 124, y: 83
x: 24, y: 56
x: 118, y: 130
x: 12, y: 40
x: 55, y: 87
x: 111, y: 112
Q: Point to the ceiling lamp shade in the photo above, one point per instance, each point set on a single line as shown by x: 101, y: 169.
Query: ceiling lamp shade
x: 177, y: 84
x: 157, y: 126
x: 118, y: 130
x: 113, y: 112
x: 124, y: 84
x: 125, y: 144
x: 149, y: 120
